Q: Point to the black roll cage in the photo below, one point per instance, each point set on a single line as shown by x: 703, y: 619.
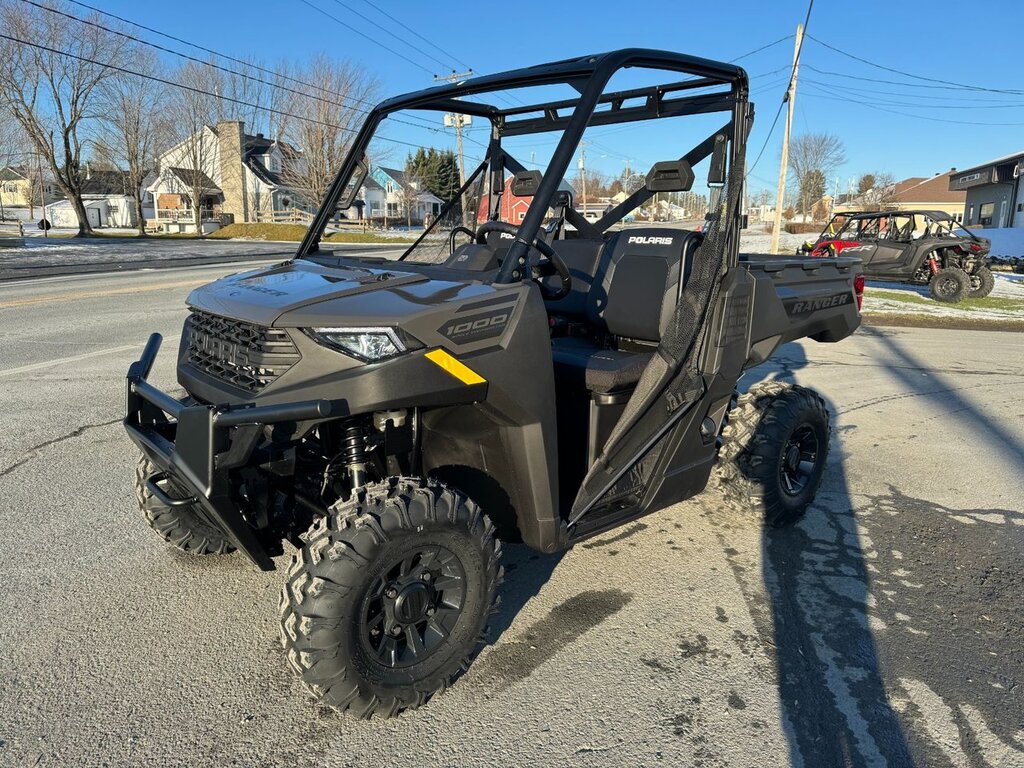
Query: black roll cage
x: 588, y: 75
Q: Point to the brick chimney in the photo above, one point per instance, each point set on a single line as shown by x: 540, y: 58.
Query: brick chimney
x: 231, y: 136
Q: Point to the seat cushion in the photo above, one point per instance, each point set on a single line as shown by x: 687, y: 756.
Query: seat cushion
x: 582, y: 362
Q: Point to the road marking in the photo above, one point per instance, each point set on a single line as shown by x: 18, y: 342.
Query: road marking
x: 72, y: 359
x: 97, y: 294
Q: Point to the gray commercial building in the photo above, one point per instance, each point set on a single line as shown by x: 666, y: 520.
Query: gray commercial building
x: 995, y: 192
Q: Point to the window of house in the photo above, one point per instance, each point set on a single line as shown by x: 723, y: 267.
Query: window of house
x: 391, y: 188
x: 392, y: 209
x: 986, y: 213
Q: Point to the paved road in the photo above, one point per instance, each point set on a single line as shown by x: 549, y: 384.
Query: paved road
x: 55, y: 257
x: 883, y: 630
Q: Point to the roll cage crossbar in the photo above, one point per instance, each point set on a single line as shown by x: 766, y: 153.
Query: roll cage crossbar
x: 588, y: 75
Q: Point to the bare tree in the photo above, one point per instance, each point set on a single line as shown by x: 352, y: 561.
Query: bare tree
x: 192, y: 112
x: 49, y: 80
x: 882, y: 194
x: 812, y: 154
x: 331, y: 115
x: 134, y: 126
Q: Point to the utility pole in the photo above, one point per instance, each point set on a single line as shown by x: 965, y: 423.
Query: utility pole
x: 456, y: 121
x: 583, y: 175
x: 780, y: 196
x: 42, y: 195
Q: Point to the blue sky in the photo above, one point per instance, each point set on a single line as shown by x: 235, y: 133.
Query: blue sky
x: 898, y: 127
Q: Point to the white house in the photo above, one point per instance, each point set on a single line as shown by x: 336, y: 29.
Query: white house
x: 402, y: 199
x: 230, y: 175
x: 109, y: 202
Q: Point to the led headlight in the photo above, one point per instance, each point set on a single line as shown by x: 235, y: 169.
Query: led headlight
x: 367, y: 344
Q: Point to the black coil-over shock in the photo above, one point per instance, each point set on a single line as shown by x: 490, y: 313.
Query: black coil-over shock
x: 353, y: 448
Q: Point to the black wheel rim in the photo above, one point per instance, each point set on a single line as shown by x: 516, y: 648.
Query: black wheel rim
x: 798, y: 460
x: 947, y: 286
x: 412, y: 607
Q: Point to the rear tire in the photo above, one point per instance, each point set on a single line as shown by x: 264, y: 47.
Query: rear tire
x: 389, y: 598
x: 774, y: 450
x: 184, y: 527
x: 949, y: 285
x: 982, y: 283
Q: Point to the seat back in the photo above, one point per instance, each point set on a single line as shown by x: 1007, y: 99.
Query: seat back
x: 581, y: 257
x: 638, y: 281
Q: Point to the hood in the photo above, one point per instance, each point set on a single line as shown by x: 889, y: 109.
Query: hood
x: 262, y: 296
x: 303, y: 293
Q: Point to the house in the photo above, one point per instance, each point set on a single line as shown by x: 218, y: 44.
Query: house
x: 108, y: 198
x: 404, y: 199
x: 914, y: 193
x: 231, y: 176
x: 994, y: 192
x: 370, y: 203
x: 20, y: 187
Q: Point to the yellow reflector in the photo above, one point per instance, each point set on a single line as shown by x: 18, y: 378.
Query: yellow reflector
x: 459, y: 370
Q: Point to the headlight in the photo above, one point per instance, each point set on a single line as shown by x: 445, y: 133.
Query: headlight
x: 367, y: 344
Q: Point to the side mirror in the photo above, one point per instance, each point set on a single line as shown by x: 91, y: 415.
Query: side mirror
x: 670, y: 176
x: 354, y: 185
x: 526, y: 183
x: 716, y: 173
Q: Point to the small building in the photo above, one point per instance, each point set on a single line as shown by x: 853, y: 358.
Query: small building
x: 108, y: 198
x: 994, y: 192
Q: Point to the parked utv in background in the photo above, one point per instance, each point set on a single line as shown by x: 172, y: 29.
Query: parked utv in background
x: 921, y: 247
x: 386, y: 417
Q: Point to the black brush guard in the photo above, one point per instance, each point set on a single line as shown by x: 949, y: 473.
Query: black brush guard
x: 201, y: 445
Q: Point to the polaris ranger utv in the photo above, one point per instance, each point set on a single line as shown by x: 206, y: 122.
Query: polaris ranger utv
x: 552, y: 382
x: 919, y: 247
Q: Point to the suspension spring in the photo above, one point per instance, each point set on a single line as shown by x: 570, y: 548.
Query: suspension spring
x: 353, y: 448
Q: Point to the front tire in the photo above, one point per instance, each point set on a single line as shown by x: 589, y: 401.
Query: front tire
x: 949, y: 285
x: 982, y: 283
x: 773, y: 452
x: 388, y: 600
x: 184, y: 527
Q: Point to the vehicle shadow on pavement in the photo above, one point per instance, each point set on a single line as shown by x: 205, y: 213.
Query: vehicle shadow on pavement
x: 834, y: 706
x: 967, y: 414
x: 526, y: 573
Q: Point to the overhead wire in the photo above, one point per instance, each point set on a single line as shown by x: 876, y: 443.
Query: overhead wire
x: 227, y: 70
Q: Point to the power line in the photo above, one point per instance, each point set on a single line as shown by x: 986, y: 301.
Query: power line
x: 365, y: 36
x: 983, y: 102
x: 799, y: 48
x: 227, y: 70
x: 200, y: 91
x: 771, y: 132
x: 906, y: 114
x: 388, y: 32
x: 947, y: 83
x: 218, y: 54
x: 762, y: 48
x: 404, y: 26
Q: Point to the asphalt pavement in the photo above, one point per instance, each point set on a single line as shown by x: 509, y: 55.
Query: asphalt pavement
x: 885, y: 629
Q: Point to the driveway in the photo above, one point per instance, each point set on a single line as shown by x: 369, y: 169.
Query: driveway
x: 883, y: 630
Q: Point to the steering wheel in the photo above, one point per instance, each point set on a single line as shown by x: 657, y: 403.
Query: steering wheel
x: 551, y: 265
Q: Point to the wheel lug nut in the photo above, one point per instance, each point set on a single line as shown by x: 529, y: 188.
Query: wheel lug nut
x: 426, y: 576
x: 431, y: 611
x: 396, y: 630
x: 391, y: 593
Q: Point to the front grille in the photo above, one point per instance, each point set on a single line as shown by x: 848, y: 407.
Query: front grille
x: 246, y: 356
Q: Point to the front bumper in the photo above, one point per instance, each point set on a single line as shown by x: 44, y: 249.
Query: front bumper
x: 199, y: 445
